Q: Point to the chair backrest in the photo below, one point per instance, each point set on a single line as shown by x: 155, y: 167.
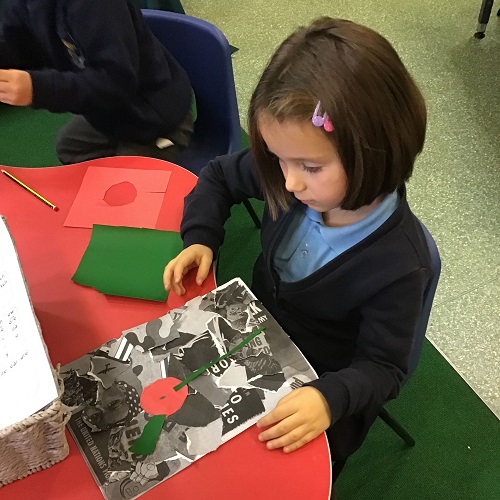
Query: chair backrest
x: 204, y: 53
x: 428, y: 299
x: 171, y: 5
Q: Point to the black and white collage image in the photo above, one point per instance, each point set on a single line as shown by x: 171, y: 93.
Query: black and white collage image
x: 200, y: 375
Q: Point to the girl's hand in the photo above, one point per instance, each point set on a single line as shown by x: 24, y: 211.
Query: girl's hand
x: 16, y: 87
x: 199, y: 256
x: 298, y: 418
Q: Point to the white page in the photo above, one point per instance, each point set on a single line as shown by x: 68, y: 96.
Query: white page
x: 26, y: 380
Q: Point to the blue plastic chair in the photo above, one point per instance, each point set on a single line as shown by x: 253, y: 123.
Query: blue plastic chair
x: 416, y: 351
x: 170, y: 5
x: 204, y: 53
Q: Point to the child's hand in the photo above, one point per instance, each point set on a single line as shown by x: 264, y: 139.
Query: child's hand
x: 16, y: 87
x: 300, y: 416
x: 199, y: 256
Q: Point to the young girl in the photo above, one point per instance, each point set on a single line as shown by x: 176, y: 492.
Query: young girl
x: 336, y: 123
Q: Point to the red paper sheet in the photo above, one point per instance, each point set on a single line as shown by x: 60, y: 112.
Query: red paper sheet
x: 119, y: 197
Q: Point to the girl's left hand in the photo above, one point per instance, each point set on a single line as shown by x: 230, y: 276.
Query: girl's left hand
x: 298, y: 418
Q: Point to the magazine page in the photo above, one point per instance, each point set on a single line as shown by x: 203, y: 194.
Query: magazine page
x: 169, y: 391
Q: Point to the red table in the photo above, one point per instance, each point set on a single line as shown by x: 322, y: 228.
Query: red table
x: 76, y: 319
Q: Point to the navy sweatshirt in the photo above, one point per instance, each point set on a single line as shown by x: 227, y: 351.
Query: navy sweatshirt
x: 96, y: 58
x: 354, y: 319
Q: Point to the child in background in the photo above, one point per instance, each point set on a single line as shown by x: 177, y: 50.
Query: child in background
x: 336, y: 123
x: 99, y: 61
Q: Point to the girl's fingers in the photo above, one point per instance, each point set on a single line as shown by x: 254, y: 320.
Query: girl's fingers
x: 295, y: 435
x: 193, y: 256
x: 203, y: 270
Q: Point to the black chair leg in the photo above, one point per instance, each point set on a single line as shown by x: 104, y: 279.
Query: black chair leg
x: 216, y: 266
x: 256, y: 221
x: 396, y: 427
x: 483, y: 18
x: 252, y: 213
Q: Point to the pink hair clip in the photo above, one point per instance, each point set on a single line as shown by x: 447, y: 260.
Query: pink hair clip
x: 321, y: 121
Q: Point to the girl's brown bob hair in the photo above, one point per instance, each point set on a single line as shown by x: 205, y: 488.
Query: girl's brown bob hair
x: 377, y: 110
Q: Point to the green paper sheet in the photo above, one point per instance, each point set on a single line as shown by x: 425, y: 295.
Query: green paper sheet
x: 128, y: 261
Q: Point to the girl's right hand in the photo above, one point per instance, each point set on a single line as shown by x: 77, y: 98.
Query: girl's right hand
x: 199, y: 256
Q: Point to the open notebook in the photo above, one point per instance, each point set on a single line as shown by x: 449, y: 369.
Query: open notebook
x: 27, y: 383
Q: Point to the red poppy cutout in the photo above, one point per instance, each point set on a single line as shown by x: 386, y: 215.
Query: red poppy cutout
x: 120, y: 194
x: 160, y: 398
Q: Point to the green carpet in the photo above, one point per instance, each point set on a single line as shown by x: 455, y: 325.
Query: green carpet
x: 457, y: 454
x: 457, y: 451
x: 27, y: 136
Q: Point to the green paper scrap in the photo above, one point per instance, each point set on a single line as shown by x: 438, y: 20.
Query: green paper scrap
x: 128, y: 261
x: 206, y: 366
x: 146, y: 443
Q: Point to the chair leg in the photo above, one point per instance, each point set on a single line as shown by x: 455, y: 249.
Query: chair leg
x: 216, y: 265
x: 252, y: 213
x: 396, y: 427
x: 256, y: 221
x: 483, y: 18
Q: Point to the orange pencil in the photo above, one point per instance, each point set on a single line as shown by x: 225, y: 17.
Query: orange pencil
x: 22, y: 184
